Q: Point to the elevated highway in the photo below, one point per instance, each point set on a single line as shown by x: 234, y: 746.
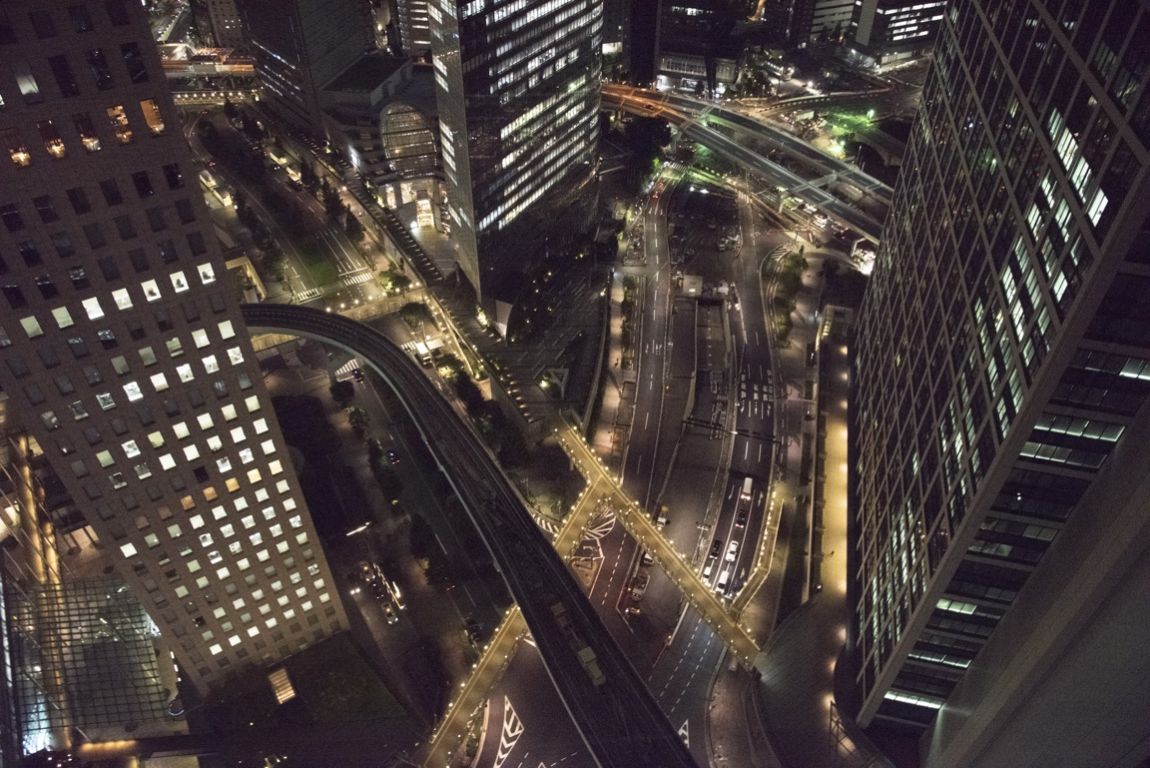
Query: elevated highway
x: 695, y: 119
x: 617, y: 717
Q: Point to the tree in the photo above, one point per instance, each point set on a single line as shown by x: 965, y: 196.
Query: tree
x: 343, y: 392
x: 389, y: 481
x: 358, y: 419
x: 353, y: 228
x: 392, y: 281
x: 230, y: 111
x: 332, y: 204
x: 307, y: 176
x: 413, y: 313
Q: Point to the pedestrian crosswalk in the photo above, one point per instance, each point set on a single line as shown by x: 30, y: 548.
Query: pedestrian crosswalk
x: 307, y: 294
x: 357, y: 277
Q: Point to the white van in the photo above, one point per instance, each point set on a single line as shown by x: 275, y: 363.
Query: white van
x: 724, y: 580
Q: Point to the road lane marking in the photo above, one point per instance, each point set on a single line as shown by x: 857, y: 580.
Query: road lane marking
x: 512, y: 731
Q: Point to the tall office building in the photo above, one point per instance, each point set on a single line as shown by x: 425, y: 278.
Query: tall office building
x: 300, y: 46
x: 123, y: 352
x: 820, y: 21
x: 218, y: 22
x: 518, y: 92
x: 1002, y: 375
x: 414, y: 27
x: 890, y: 30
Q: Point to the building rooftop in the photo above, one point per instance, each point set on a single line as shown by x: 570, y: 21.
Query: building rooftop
x: 367, y: 73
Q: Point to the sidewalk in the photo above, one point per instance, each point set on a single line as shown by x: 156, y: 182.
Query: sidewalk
x: 797, y: 667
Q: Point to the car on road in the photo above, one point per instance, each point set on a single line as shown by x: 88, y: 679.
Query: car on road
x: 357, y: 374
x: 741, y: 518
x: 709, y: 568
x: 389, y: 613
x: 732, y: 551
x: 632, y: 610
x: 392, y: 456
x: 723, y: 582
x: 716, y: 547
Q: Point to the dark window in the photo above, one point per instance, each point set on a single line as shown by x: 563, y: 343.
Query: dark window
x: 47, y: 288
x: 42, y: 24
x: 117, y: 12
x: 111, y: 192
x: 14, y: 296
x: 30, y: 254
x: 11, y: 216
x: 108, y: 268
x: 168, y: 253
x: 65, y: 80
x: 196, y: 243
x: 107, y: 338
x: 79, y: 200
x: 81, y: 19
x: 143, y: 184
x: 138, y: 259
x: 173, y: 176
x: 94, y: 236
x: 46, y: 209
x: 101, y: 73
x: 134, y: 62
x: 185, y: 211
x: 156, y: 219
x: 7, y: 33
x: 63, y: 244
x: 3, y: 271
x: 125, y: 227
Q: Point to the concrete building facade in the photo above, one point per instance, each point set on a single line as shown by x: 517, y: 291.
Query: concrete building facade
x: 1002, y: 375
x: 124, y: 355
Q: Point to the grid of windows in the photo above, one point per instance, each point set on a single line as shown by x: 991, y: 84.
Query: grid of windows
x: 517, y: 85
x: 125, y: 351
x: 983, y: 412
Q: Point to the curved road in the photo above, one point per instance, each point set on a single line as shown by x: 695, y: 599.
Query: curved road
x: 687, y: 114
x: 618, y: 718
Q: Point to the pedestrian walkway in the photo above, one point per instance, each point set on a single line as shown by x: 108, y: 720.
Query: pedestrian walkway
x: 797, y: 666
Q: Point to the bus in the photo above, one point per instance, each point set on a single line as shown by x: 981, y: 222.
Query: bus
x: 207, y: 179
x: 277, y: 157
x: 293, y: 171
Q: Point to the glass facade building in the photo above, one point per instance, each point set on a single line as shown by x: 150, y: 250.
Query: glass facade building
x: 517, y: 86
x: 1003, y: 360
x: 123, y: 352
x: 889, y: 30
x: 300, y: 46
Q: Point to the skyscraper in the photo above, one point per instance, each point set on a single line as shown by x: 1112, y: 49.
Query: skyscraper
x: 1002, y: 375
x: 217, y: 22
x: 299, y: 47
x: 889, y: 30
x: 413, y: 26
x: 123, y: 352
x: 518, y: 94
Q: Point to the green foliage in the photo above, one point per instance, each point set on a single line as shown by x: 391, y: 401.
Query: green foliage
x: 393, y: 281
x: 358, y: 419
x: 343, y: 392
